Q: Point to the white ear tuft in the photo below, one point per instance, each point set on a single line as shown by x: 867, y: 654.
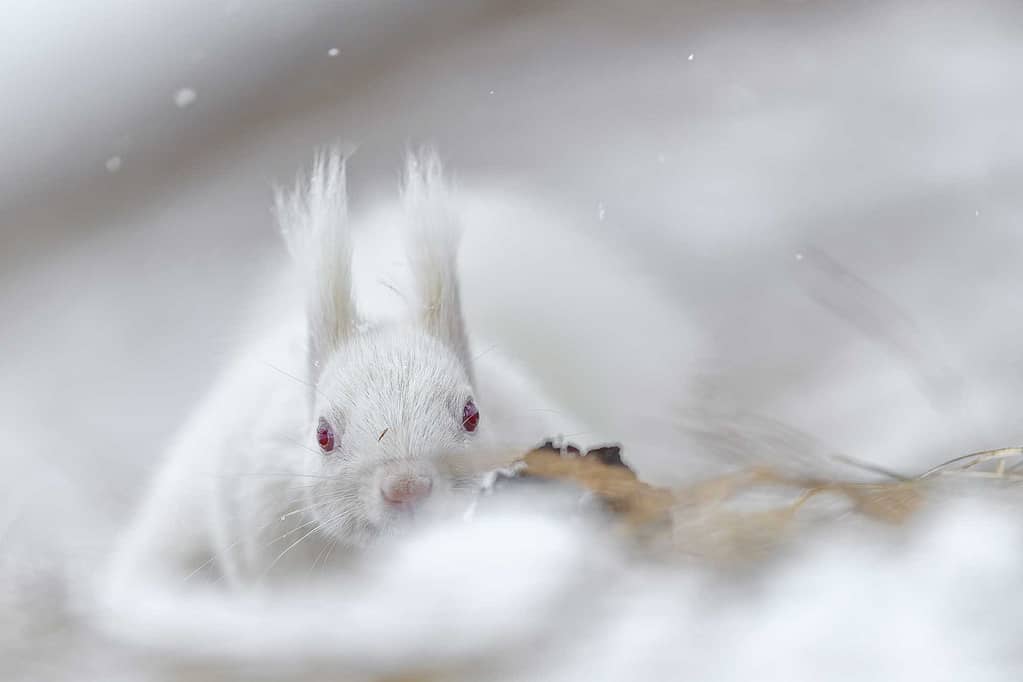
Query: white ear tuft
x: 314, y: 221
x: 432, y: 234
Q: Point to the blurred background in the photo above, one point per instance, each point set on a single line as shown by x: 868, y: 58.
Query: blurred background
x: 827, y: 194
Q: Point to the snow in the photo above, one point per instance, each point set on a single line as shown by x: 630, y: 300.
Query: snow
x: 184, y: 97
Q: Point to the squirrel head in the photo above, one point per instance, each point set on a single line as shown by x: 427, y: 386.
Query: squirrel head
x: 393, y: 409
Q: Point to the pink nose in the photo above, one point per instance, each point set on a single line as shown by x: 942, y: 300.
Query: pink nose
x: 406, y: 489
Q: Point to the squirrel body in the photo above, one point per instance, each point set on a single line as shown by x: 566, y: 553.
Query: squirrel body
x: 315, y: 440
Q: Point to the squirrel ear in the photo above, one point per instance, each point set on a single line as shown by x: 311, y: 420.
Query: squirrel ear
x: 313, y: 218
x: 432, y: 234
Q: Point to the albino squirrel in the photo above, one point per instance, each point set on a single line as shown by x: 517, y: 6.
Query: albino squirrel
x: 335, y: 429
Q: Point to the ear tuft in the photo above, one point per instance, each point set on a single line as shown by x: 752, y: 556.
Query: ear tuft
x: 432, y: 235
x: 313, y: 218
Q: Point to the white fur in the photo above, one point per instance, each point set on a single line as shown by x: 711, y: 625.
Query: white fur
x: 314, y: 222
x: 246, y: 495
x: 432, y: 237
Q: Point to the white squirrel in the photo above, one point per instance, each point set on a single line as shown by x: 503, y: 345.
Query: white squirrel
x: 373, y: 423
x: 257, y: 539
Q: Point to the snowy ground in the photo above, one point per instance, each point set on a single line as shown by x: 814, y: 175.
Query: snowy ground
x: 819, y: 199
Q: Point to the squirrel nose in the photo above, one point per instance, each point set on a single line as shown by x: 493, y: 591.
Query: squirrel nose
x: 403, y: 490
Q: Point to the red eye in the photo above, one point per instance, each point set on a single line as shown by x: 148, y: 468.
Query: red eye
x: 470, y: 416
x: 325, y: 435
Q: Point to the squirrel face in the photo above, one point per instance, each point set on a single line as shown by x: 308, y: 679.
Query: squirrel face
x: 395, y: 419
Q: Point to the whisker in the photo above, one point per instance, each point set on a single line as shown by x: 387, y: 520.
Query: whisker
x: 545, y: 409
x: 484, y: 352
x: 290, y: 532
x: 290, y: 547
x: 266, y: 474
x: 333, y: 546
x: 206, y: 563
x: 304, y: 447
x: 332, y: 497
x: 295, y: 378
x: 323, y: 553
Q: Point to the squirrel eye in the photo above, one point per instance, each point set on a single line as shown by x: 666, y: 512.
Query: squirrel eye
x: 470, y: 416
x: 325, y: 435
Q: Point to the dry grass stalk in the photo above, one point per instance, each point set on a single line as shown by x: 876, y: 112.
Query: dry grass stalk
x: 703, y: 518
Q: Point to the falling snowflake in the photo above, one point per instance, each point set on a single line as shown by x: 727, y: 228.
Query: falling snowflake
x: 184, y: 97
